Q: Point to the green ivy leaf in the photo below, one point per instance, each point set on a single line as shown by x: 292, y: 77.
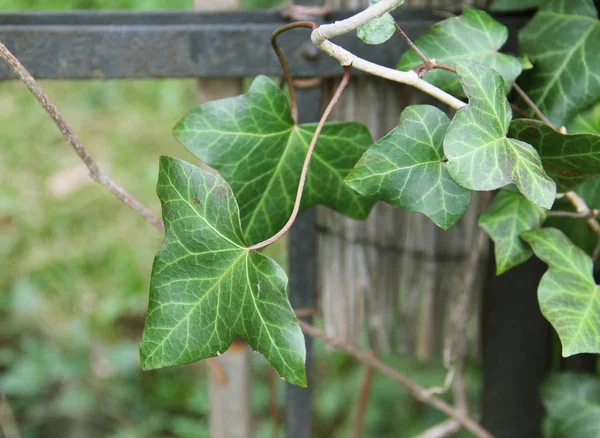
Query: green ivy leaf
x: 474, y: 36
x: 207, y: 288
x: 253, y: 142
x: 514, y: 5
x: 568, y: 159
x: 481, y: 157
x: 406, y: 168
x: 509, y: 215
x: 586, y: 121
x: 378, y: 30
x: 568, y: 295
x: 563, y: 42
x: 572, y: 404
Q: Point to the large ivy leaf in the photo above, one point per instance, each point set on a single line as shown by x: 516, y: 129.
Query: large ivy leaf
x: 563, y: 42
x: 509, y: 215
x: 586, y: 121
x: 568, y: 295
x: 380, y: 29
x: 474, y: 36
x: 514, y: 5
x: 407, y: 168
x: 572, y: 404
x: 207, y: 288
x: 568, y: 159
x: 253, y: 142
x: 481, y: 156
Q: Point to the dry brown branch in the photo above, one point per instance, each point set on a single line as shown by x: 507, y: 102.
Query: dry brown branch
x: 72, y: 138
x: 362, y: 402
x: 416, y: 390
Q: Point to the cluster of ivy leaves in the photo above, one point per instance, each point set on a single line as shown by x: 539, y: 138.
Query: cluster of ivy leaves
x: 208, y: 287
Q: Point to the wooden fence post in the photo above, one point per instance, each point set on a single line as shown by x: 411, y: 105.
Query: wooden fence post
x: 230, y: 401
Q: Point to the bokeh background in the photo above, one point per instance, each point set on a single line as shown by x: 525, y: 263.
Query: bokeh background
x: 75, y: 268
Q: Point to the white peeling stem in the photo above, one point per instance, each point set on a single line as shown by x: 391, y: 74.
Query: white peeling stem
x: 320, y: 38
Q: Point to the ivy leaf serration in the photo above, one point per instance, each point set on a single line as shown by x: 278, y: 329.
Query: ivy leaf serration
x: 509, y: 215
x: 572, y: 404
x: 563, y: 42
x: 568, y: 159
x: 474, y: 36
x: 207, y: 288
x: 480, y: 155
x: 253, y: 142
x: 568, y: 295
x: 406, y: 168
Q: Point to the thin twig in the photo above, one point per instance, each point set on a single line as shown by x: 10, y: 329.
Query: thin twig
x: 411, y: 44
x: 584, y: 210
x: 593, y: 213
x: 287, y: 75
x: 416, y: 390
x: 311, y: 148
x: 72, y: 138
x: 363, y: 402
x: 95, y: 172
x: 217, y: 370
x: 321, y: 36
x: 532, y: 105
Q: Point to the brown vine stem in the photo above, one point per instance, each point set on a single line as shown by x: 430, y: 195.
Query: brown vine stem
x: 287, y: 75
x: 363, y: 402
x: 416, y: 390
x: 411, y: 44
x: 532, y: 105
x: 336, y: 96
x: 584, y: 210
x: 72, y: 138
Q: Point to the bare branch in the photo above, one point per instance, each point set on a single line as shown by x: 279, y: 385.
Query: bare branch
x: 72, y: 138
x: 320, y: 38
x: 532, y: 105
x: 416, y: 390
x: 412, y: 45
x: 363, y: 402
x: 287, y: 75
x: 343, y: 84
x: 584, y: 210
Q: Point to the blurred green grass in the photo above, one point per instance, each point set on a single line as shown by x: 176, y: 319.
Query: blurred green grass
x: 76, y: 264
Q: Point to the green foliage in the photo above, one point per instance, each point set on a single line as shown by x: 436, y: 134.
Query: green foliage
x: 253, y: 141
x: 563, y: 42
x: 568, y: 295
x: 568, y: 159
x: 407, y: 168
x: 514, y: 5
x: 586, y: 121
x: 474, y: 36
x: 481, y: 156
x: 380, y: 29
x: 510, y: 215
x: 207, y: 288
x: 572, y: 404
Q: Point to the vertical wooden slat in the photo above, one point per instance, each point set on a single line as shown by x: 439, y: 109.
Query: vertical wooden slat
x: 394, y: 271
x: 230, y: 402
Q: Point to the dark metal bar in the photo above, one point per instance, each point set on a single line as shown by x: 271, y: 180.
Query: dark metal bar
x: 303, y: 257
x: 111, y: 45
x: 516, y: 352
